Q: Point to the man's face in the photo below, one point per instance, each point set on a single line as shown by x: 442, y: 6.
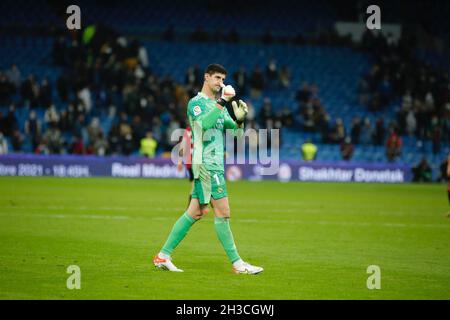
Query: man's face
x: 214, y: 81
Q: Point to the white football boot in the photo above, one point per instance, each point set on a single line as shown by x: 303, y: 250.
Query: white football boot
x: 241, y: 267
x: 165, y: 263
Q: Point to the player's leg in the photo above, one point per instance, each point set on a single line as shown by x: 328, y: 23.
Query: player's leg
x: 221, y: 207
x: 197, y: 208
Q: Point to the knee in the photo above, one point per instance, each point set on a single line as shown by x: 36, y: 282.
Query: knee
x: 223, y: 213
x: 197, y: 215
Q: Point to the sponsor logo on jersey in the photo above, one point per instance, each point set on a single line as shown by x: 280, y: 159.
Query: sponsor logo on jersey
x: 197, y: 110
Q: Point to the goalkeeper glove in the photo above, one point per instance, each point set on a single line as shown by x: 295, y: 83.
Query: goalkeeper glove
x: 228, y: 93
x: 240, y: 111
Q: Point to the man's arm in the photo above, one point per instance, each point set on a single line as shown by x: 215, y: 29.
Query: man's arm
x: 208, y: 119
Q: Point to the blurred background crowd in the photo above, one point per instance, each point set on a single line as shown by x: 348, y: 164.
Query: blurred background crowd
x: 120, y: 85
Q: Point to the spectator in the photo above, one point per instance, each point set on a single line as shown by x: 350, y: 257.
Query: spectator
x: 251, y: 112
x: 355, y: 130
x: 127, y: 144
x: 30, y: 91
x: 422, y: 172
x: 174, y: 124
x: 143, y: 56
x: 100, y: 146
x: 45, y: 94
x: 14, y: 76
x: 80, y: 126
x: 54, y: 139
x: 436, y: 134
x: 93, y: 130
x: 114, y: 140
x: 324, y: 126
x: 85, y: 97
x: 148, y: 145
x: 240, y: 79
x: 196, y: 77
x: 51, y: 115
x: 62, y: 87
x: 407, y: 101
x: 393, y: 146
x: 385, y: 91
x: 303, y: 93
x: 124, y: 126
x: 285, y: 77
x: 17, y: 141
x: 266, y: 112
x: 272, y: 71
x: 380, y: 132
x: 256, y: 82
x: 308, y: 118
x: 338, y: 133
x: 347, y: 149
x: 429, y: 100
x: 33, y: 129
x: 42, y: 147
x: 287, y: 119
x: 6, y: 90
x: 411, y: 123
x: 3, y: 144
x: 10, y: 124
x: 65, y: 124
x: 364, y: 92
x: 367, y: 133
x: 77, y: 146
x: 309, y: 151
x: 139, y: 130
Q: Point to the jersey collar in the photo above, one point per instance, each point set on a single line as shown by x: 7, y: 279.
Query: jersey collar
x: 201, y: 94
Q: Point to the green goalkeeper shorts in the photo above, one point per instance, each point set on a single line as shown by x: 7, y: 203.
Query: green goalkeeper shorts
x: 209, y: 184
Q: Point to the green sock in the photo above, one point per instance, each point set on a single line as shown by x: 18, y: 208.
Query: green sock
x: 179, y: 231
x: 222, y: 226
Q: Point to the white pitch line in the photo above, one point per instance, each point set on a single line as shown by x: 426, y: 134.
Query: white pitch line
x: 238, y: 220
x: 65, y: 216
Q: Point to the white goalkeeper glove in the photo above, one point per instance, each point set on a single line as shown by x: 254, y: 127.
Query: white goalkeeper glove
x: 228, y: 93
x: 240, y: 111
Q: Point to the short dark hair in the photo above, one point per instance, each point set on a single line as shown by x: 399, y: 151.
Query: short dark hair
x: 215, y: 68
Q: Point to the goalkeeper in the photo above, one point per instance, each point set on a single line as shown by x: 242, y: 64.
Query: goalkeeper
x: 208, y: 118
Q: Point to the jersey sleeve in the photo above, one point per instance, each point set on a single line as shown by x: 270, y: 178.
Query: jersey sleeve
x: 198, y: 112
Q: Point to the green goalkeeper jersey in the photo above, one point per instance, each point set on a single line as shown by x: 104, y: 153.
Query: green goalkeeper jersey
x: 208, y: 123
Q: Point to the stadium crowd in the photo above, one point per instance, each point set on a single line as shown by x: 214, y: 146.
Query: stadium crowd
x: 425, y: 91
x: 113, y: 73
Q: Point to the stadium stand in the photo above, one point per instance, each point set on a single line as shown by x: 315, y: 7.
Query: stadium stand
x: 132, y: 77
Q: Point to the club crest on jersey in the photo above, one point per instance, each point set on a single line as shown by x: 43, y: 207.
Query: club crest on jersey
x: 219, y: 124
x: 197, y: 110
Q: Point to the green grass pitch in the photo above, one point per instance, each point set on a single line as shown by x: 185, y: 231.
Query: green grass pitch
x: 315, y: 240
